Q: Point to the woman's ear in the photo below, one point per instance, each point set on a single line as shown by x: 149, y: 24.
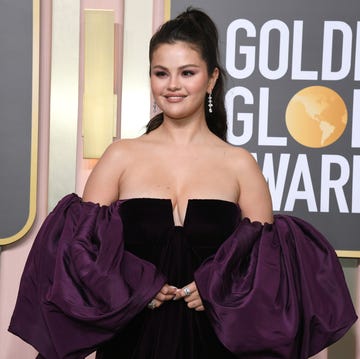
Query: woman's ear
x: 212, y: 80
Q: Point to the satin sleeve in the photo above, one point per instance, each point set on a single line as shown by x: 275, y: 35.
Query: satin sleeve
x: 276, y: 291
x: 79, y: 285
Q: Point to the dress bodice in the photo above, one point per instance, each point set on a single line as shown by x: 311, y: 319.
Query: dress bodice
x: 150, y: 233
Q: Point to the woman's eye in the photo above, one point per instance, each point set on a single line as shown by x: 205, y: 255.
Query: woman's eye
x: 188, y: 73
x: 160, y: 73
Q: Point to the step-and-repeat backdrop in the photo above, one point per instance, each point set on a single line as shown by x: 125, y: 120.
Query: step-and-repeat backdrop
x: 293, y: 100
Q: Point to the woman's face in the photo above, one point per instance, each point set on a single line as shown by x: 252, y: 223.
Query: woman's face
x: 179, y: 80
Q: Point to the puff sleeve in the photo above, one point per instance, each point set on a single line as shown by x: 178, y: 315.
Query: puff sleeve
x: 79, y: 285
x: 276, y: 290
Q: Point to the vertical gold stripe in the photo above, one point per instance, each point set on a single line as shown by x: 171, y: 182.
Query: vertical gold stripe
x: 35, y: 109
x: 167, y: 10
x: 99, y: 102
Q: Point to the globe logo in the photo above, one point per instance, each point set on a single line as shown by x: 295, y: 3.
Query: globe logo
x: 316, y: 116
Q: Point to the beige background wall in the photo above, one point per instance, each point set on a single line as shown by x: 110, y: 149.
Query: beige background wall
x: 61, y: 168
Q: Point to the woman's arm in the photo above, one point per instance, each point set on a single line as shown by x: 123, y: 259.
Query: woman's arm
x: 254, y: 198
x: 103, y: 183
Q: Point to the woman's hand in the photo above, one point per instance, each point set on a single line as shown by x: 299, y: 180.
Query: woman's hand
x: 191, y: 296
x: 167, y: 292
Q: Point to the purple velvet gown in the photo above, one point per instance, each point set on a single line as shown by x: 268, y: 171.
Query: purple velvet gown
x: 272, y: 291
x: 173, y: 330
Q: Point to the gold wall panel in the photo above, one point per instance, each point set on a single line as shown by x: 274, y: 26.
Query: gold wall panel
x: 99, y: 102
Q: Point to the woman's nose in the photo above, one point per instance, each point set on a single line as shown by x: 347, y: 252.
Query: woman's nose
x: 173, y: 83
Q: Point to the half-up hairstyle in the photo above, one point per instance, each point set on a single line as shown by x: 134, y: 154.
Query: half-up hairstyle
x: 198, y: 30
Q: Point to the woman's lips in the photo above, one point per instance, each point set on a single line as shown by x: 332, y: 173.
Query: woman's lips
x: 174, y: 98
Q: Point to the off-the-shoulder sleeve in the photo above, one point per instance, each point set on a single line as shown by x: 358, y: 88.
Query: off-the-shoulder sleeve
x: 276, y: 291
x: 79, y: 285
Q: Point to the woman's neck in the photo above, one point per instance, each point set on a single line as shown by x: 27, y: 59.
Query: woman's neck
x: 183, y: 131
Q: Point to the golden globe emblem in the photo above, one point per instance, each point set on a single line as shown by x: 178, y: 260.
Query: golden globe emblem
x: 316, y: 116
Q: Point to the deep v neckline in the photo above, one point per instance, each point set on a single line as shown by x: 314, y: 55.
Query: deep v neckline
x: 188, y: 208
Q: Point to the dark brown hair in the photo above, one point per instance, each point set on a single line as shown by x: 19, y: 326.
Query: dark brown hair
x: 196, y: 28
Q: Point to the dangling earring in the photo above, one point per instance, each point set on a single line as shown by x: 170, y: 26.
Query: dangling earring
x: 154, y: 107
x: 210, y: 104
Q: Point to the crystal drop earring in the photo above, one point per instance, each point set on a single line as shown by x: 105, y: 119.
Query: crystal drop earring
x: 210, y: 104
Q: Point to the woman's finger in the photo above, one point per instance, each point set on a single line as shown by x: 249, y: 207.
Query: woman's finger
x: 153, y: 304
x: 200, y: 308
x: 189, y: 289
x: 167, y: 292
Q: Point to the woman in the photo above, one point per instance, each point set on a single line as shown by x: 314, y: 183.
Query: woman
x: 158, y: 261
x: 181, y: 159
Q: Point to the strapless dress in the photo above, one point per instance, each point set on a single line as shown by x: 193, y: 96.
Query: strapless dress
x: 172, y: 331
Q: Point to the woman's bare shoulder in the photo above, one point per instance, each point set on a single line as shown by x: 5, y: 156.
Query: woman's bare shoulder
x: 122, y: 145
x: 122, y: 148
x: 238, y: 156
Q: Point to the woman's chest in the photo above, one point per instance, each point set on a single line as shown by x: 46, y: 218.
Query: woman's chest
x: 176, y: 179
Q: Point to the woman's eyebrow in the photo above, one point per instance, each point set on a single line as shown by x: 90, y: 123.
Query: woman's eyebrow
x: 181, y: 67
